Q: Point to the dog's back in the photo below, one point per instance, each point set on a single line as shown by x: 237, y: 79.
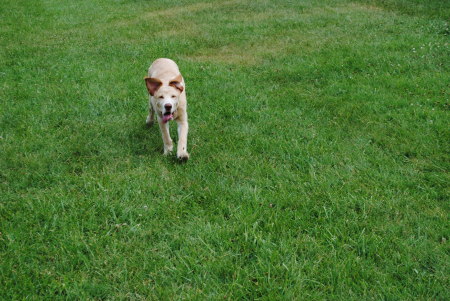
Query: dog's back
x: 163, y: 69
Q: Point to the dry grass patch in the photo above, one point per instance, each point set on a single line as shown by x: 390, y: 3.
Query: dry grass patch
x: 174, y: 12
x: 302, y: 38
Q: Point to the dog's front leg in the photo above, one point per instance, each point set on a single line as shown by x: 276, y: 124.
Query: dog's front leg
x: 182, y: 153
x: 168, y: 145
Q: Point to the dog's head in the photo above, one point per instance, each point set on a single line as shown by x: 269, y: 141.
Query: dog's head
x: 166, y: 97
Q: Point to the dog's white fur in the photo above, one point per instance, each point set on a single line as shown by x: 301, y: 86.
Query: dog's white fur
x: 167, y: 97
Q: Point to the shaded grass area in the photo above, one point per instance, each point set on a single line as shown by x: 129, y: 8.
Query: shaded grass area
x: 318, y: 138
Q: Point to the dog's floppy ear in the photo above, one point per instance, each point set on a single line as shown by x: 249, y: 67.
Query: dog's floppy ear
x: 176, y: 83
x: 153, y: 84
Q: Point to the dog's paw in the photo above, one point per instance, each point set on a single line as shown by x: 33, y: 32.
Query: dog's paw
x: 168, y: 149
x: 183, y: 156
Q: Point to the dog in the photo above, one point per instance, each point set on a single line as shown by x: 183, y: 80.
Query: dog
x: 167, y: 98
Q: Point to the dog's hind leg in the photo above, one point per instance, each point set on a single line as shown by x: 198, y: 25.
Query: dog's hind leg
x: 151, y: 116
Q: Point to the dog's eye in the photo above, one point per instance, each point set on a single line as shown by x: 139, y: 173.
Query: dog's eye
x: 173, y: 96
x: 161, y: 97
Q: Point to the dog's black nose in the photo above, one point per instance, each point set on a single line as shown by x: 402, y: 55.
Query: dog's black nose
x: 168, y: 106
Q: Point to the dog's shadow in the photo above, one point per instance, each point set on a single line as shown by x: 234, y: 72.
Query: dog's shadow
x: 145, y: 140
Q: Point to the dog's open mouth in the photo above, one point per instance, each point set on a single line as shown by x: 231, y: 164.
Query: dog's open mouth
x: 167, y: 116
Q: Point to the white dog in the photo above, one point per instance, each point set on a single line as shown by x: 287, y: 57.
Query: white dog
x: 168, y: 99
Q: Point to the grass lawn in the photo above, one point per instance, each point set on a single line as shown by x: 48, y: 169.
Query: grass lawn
x: 319, y: 141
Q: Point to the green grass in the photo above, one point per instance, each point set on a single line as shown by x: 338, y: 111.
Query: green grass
x: 318, y: 138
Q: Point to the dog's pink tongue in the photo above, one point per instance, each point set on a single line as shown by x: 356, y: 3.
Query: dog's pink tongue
x: 167, y: 117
